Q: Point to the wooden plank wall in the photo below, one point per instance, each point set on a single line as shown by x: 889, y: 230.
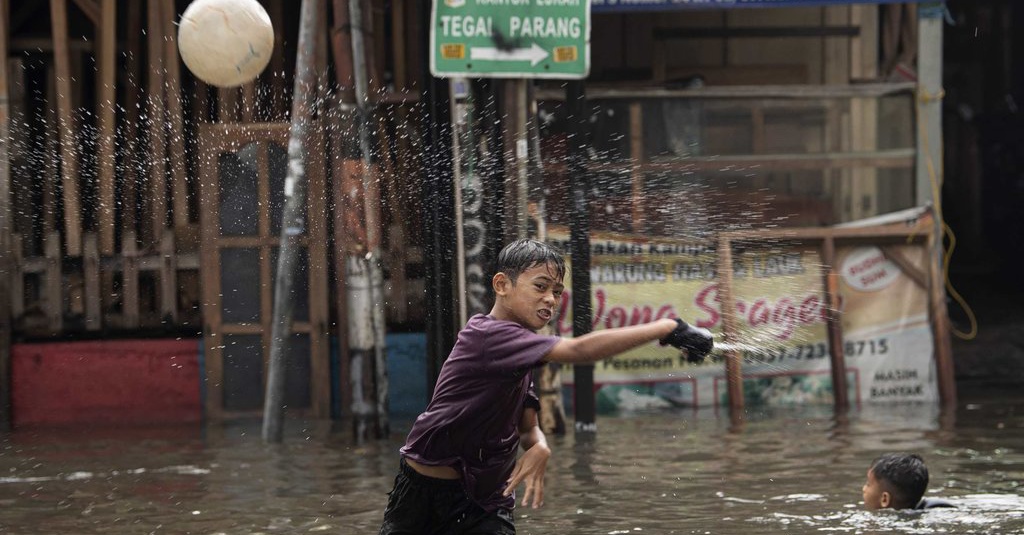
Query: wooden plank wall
x: 834, y: 45
x: 107, y: 236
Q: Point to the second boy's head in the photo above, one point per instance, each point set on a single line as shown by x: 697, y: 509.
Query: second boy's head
x: 895, y: 480
x: 528, y: 283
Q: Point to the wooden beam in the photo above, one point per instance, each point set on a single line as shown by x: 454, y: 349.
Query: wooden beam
x: 6, y: 260
x: 129, y: 281
x: 755, y: 32
x: 785, y: 92
x: 209, y: 217
x: 227, y: 104
x: 93, y: 10
x: 91, y: 276
x: 67, y: 139
x: 156, y: 117
x: 106, y: 119
x: 175, y: 115
x: 341, y: 241
x: 834, y: 326
x: 319, y: 288
x: 51, y: 148
x: 747, y: 163
x: 248, y: 103
x: 636, y: 155
x: 398, y: 41
x: 168, y: 278
x: 918, y: 231
x: 893, y: 254
x: 278, y: 105
x: 17, y: 294
x: 864, y: 112
x: 733, y: 362
x: 940, y: 331
x: 132, y: 172
x: 54, y: 300
x: 43, y: 44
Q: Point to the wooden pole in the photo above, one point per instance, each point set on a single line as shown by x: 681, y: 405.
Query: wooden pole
x: 6, y: 264
x: 54, y: 289
x: 834, y: 326
x: 133, y: 174
x: 276, y: 107
x: 293, y: 225
x: 66, y: 122
x: 636, y: 153
x: 341, y: 49
x: 733, y: 365
x: 156, y: 118
x: 130, y: 281
x: 941, y: 329
x: 91, y: 276
x: 106, y: 100
x: 175, y: 117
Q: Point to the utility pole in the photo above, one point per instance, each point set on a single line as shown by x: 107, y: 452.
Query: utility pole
x: 293, y: 224
x: 579, y: 239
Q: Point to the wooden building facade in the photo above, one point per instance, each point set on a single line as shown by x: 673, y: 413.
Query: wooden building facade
x: 137, y: 200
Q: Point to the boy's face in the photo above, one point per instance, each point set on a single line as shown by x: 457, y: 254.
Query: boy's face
x: 532, y: 300
x: 876, y: 495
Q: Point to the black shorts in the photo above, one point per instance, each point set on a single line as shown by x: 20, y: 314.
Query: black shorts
x: 421, y: 505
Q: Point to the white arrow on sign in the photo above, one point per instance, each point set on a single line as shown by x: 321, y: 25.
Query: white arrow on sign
x: 535, y: 54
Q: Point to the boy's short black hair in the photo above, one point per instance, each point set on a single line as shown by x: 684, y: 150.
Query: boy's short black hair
x: 521, y: 255
x: 906, y: 475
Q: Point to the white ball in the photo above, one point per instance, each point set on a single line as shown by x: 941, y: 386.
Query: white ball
x: 225, y: 43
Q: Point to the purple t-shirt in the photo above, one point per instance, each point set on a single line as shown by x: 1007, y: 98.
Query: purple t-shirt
x: 472, y: 422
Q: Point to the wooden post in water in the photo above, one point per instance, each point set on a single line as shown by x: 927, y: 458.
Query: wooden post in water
x: 733, y: 364
x: 834, y: 325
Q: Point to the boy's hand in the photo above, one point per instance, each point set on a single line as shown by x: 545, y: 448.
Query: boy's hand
x: 530, y: 468
x: 696, y: 341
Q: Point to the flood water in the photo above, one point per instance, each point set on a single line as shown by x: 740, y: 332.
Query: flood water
x: 784, y: 470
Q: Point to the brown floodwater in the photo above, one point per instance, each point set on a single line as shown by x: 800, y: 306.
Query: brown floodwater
x: 789, y: 470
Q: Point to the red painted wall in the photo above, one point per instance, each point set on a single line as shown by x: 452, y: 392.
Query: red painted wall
x: 106, y: 382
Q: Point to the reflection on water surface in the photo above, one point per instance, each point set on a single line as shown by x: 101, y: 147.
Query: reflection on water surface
x: 792, y: 470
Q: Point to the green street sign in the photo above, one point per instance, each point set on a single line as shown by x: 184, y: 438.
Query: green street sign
x: 510, y: 38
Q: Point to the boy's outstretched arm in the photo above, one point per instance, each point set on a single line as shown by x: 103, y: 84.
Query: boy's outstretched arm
x: 532, y: 464
x: 599, y: 345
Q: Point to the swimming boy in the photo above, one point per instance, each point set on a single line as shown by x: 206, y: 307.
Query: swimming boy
x: 898, y: 481
x: 459, y: 469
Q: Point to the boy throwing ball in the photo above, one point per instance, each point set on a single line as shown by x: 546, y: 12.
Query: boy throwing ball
x: 459, y: 468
